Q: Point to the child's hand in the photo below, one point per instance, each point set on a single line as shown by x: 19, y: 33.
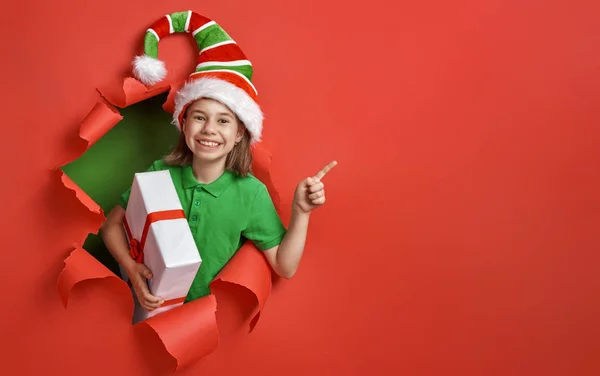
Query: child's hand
x: 138, y: 273
x: 310, y: 193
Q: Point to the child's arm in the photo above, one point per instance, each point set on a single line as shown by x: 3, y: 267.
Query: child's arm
x: 309, y: 195
x: 115, y: 240
x: 285, y: 257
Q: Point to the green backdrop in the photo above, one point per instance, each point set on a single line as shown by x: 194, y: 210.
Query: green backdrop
x: 106, y: 169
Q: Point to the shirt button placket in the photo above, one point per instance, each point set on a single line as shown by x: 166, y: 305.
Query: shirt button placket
x: 195, y: 210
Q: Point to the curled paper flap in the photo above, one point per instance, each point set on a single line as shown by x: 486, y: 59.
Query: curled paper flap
x: 100, y: 120
x: 188, y: 332
x: 81, y: 266
x: 248, y: 269
x: 81, y: 195
x: 131, y: 92
x: 94, y: 215
x: 169, y: 105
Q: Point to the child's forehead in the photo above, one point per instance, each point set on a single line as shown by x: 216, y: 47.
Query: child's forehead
x: 208, y: 105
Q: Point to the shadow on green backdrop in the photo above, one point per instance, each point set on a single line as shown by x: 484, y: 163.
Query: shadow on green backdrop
x: 106, y: 169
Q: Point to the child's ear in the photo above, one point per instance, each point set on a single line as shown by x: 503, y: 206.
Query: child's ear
x: 240, y: 133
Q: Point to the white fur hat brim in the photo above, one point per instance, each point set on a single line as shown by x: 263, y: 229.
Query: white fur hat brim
x: 238, y: 101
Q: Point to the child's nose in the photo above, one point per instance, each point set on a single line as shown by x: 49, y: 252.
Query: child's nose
x: 209, y: 126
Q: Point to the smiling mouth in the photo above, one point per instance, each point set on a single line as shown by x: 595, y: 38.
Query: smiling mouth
x: 209, y: 144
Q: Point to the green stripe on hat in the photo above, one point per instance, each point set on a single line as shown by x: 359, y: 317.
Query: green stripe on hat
x: 211, y: 35
x: 151, y: 45
x: 246, y: 70
x: 178, y: 19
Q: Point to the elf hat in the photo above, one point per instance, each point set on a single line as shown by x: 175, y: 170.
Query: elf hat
x: 223, y: 72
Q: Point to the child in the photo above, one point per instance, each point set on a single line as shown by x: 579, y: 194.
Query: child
x: 219, y: 119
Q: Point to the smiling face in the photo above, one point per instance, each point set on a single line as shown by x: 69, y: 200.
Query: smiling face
x: 211, y: 130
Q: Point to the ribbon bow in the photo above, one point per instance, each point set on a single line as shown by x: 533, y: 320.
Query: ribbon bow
x: 134, y: 250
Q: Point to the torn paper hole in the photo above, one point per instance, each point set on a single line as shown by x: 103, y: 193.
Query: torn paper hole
x: 118, y: 145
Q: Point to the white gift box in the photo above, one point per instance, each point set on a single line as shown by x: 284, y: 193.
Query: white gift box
x: 168, y: 247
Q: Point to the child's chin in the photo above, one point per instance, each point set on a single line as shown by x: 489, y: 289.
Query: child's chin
x: 205, y: 155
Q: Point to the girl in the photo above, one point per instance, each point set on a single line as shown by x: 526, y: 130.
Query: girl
x: 219, y: 119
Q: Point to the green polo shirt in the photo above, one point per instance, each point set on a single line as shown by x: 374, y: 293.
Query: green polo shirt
x: 222, y: 215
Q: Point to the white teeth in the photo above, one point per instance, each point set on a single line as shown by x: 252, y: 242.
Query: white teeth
x: 208, y: 143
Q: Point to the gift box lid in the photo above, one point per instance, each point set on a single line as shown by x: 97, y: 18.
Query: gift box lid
x: 151, y: 192
x: 157, y: 190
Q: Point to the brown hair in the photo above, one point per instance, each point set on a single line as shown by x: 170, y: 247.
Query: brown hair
x: 239, y: 159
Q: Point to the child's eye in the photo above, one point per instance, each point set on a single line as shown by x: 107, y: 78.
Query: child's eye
x: 199, y: 117
x: 223, y: 121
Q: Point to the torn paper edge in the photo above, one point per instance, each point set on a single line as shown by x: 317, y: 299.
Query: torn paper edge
x: 65, y: 287
x: 179, y: 365
x: 260, y: 297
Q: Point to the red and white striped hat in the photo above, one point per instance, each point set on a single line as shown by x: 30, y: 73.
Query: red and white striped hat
x: 223, y: 72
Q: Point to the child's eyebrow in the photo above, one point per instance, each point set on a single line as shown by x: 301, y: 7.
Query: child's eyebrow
x: 218, y: 114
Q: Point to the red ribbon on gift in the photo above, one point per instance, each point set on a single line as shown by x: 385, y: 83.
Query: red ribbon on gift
x: 136, y: 248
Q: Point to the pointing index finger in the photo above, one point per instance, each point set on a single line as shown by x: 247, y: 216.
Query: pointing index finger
x: 325, y: 170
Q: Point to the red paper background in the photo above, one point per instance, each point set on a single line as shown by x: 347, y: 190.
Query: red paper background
x: 461, y: 232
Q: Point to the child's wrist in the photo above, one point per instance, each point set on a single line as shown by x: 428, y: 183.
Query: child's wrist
x: 297, y: 212
x: 129, y: 265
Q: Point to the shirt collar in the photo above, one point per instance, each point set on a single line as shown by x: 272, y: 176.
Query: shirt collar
x: 215, y: 188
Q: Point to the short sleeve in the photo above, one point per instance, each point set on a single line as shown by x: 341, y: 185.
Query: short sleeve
x: 264, y: 227
x: 155, y: 166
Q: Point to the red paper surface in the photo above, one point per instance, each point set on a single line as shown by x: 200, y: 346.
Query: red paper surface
x: 261, y: 168
x: 460, y: 233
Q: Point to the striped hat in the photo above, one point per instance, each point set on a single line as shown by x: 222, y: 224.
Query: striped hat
x: 223, y: 72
